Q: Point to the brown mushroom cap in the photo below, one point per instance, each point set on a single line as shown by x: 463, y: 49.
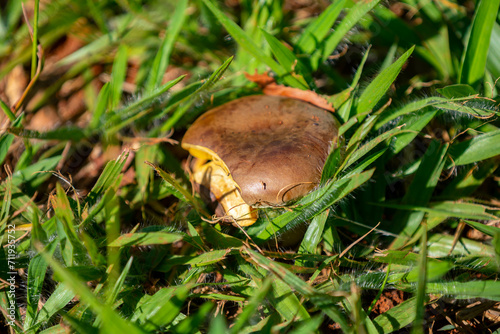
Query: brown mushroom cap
x: 273, y: 147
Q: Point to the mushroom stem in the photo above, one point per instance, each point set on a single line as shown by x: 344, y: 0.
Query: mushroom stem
x: 222, y: 186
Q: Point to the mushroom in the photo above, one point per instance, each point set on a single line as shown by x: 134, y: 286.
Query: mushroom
x: 259, y: 151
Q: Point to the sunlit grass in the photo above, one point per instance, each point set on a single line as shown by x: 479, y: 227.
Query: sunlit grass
x: 110, y: 237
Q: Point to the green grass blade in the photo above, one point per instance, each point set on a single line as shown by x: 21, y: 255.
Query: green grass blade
x: 162, y: 58
x: 146, y: 238
x: 411, y: 107
x: 79, y: 326
x: 97, y: 207
x: 34, y: 44
x: 420, y: 190
x: 111, y: 322
x: 358, y: 153
x: 414, y: 123
x: 154, y: 312
x: 6, y: 140
x: 289, y: 280
x: 313, y: 235
x: 36, y: 275
x: 449, y: 209
x: 332, y: 164
x: 355, y: 14
x: 314, y: 203
x: 6, y: 188
x: 476, y: 149
x: 458, y: 90
x: 108, y: 177
x: 486, y: 229
x: 192, y: 323
x: 476, y: 52
x: 469, y: 180
x: 377, y: 88
x: 249, y: 45
x: 121, y: 118
x: 180, y: 192
x: 288, y: 60
x: 317, y: 30
x: 418, y: 323
x: 212, y: 80
x: 31, y: 173
x: 397, y: 317
x: 71, y: 133
x: 118, y: 76
x: 58, y: 299
x: 493, y: 61
x: 10, y: 115
x: 101, y: 105
x: 464, y: 290
x: 253, y: 304
x: 119, y: 283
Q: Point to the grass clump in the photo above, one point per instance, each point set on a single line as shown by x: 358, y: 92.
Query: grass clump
x: 401, y: 235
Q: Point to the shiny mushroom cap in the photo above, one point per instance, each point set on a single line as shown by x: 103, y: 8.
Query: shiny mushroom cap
x: 273, y: 148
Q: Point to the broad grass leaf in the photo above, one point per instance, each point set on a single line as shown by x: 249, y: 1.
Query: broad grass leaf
x: 192, y: 323
x: 469, y: 180
x: 317, y: 30
x: 111, y: 322
x: 289, y: 61
x: 6, y: 140
x: 372, y: 94
x: 313, y: 235
x: 486, y: 229
x: 36, y: 276
x: 107, y: 178
x: 478, y: 148
x: 330, y: 43
x: 315, y: 203
x: 71, y: 133
x: 420, y: 191
x: 218, y: 325
x: 101, y: 106
x: 207, y: 84
x: 118, y: 75
x: 487, y: 289
x: 121, y: 118
x: 31, y: 173
x: 397, y: 317
x: 254, y: 303
x: 458, y: 90
x: 477, y: 45
x: 246, y: 43
x: 155, y: 312
x: 204, y: 259
x: 58, y: 299
x: 440, y: 245
x: 414, y: 123
x: 493, y: 61
x: 146, y: 238
x: 162, y: 58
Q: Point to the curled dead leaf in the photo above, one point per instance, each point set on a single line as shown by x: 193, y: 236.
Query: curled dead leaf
x: 269, y: 87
